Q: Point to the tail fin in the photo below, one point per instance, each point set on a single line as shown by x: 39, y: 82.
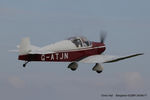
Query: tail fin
x: 25, y: 46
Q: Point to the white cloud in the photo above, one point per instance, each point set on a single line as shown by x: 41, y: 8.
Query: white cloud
x: 133, y: 80
x: 16, y: 82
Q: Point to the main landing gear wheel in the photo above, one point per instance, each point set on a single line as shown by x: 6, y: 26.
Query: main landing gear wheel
x: 98, y: 68
x: 98, y: 71
x: 73, y: 66
x: 24, y: 65
x: 73, y: 69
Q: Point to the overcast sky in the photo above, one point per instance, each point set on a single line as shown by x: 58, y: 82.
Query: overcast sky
x: 47, y: 21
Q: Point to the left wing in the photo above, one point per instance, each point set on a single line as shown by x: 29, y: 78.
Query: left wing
x: 39, y: 52
x: 106, y: 58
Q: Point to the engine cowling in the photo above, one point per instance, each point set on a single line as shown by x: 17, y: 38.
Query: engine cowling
x: 73, y: 66
x: 98, y: 68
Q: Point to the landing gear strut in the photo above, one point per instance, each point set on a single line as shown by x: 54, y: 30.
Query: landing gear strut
x: 24, y: 65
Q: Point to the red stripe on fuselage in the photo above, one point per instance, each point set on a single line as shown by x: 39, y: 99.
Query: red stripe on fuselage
x: 64, y: 56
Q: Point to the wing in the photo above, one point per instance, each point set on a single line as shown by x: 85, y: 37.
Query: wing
x: 106, y: 58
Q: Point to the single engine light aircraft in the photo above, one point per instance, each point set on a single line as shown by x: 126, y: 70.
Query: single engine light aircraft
x: 73, y: 50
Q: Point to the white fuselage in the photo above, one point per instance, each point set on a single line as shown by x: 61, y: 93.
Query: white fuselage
x: 59, y: 46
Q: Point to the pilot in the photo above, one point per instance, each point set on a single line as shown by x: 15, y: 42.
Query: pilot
x: 77, y: 42
x: 86, y: 43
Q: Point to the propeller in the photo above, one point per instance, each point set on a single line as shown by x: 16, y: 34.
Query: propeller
x: 103, y: 36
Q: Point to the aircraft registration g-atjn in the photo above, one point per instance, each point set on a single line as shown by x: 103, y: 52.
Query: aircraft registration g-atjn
x: 73, y: 50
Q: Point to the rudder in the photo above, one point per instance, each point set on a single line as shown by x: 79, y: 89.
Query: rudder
x: 25, y: 46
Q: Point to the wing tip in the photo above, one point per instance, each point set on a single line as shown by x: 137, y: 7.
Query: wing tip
x: 139, y: 54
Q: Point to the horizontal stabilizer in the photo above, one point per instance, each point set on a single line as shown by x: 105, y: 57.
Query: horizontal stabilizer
x: 13, y: 50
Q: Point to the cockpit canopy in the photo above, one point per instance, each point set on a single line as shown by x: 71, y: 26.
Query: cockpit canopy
x: 80, y: 41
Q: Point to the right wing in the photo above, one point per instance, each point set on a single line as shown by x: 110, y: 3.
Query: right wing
x: 106, y: 58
